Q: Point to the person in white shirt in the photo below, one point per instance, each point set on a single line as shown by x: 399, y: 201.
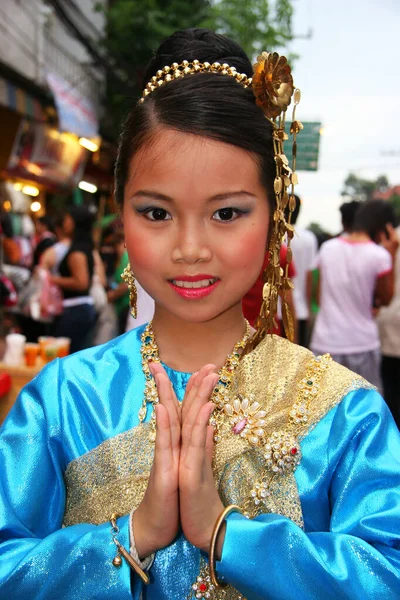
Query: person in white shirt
x: 356, y: 271
x: 304, y: 247
x: 389, y: 331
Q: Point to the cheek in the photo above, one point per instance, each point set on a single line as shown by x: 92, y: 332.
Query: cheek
x: 247, y: 251
x: 144, y: 255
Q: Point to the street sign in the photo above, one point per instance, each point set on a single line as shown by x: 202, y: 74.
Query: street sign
x: 307, y: 147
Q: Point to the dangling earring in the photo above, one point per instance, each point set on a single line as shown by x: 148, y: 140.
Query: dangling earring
x: 129, y: 279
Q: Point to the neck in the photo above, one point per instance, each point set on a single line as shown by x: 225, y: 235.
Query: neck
x: 359, y: 236
x: 187, y: 346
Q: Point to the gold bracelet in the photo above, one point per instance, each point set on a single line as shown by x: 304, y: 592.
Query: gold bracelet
x: 121, y: 551
x: 217, y: 527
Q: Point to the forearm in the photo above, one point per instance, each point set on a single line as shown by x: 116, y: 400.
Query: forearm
x: 270, y: 557
x: 117, y: 293
x: 70, y: 283
x: 74, y: 558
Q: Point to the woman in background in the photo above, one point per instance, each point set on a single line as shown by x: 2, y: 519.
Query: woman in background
x: 75, y: 276
x: 118, y: 294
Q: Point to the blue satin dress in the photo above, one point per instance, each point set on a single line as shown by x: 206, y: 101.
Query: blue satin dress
x: 348, y: 483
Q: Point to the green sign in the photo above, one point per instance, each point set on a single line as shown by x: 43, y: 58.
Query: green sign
x: 307, y: 147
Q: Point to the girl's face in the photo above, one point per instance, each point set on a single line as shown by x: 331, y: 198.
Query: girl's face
x: 196, y: 224
x: 68, y: 225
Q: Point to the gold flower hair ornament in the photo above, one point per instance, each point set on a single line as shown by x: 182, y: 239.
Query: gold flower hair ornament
x: 273, y: 88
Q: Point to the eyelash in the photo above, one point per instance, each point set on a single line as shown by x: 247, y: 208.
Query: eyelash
x: 148, y: 210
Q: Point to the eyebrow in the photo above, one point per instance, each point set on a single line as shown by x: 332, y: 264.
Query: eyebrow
x: 218, y: 197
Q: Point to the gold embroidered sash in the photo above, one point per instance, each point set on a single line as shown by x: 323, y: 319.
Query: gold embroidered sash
x: 113, y: 476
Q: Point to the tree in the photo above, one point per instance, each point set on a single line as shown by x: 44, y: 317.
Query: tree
x: 356, y: 188
x: 136, y: 27
x: 395, y: 200
x: 256, y: 25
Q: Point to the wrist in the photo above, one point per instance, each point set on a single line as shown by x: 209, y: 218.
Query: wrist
x: 145, y: 542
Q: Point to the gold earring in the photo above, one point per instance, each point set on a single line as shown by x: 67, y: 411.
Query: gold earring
x: 129, y: 279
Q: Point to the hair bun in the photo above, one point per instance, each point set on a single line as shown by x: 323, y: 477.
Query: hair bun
x: 201, y: 44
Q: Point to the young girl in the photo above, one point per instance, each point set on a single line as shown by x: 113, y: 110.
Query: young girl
x: 267, y: 470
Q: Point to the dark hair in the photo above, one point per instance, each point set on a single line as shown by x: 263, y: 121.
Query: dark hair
x: 373, y: 216
x: 47, y: 222
x: 83, y: 219
x: 205, y: 104
x: 348, y: 211
x: 295, y: 213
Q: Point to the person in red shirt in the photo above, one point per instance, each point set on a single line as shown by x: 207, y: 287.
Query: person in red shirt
x: 253, y: 299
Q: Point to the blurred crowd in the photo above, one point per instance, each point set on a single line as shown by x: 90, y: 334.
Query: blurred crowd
x: 58, y: 283
x: 346, y: 295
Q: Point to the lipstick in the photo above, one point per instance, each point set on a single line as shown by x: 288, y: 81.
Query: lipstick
x: 194, y: 287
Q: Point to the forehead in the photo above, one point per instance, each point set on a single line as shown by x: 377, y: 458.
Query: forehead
x: 181, y: 163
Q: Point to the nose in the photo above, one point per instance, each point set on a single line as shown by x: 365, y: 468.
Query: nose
x: 192, y: 244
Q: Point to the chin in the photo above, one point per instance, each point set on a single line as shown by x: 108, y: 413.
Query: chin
x: 199, y: 312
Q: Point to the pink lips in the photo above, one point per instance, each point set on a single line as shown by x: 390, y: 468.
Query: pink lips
x: 194, y: 293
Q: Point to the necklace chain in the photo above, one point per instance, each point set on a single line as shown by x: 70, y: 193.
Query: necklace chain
x: 150, y: 353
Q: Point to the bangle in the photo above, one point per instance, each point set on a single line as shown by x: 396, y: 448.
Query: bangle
x: 121, y: 551
x: 217, y: 527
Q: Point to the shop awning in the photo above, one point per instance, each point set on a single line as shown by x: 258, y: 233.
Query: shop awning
x: 19, y: 100
x: 76, y: 114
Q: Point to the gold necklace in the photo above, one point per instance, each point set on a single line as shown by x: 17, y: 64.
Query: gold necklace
x: 150, y: 353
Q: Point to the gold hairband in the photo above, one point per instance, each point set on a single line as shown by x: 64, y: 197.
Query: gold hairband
x: 175, y: 71
x: 273, y: 88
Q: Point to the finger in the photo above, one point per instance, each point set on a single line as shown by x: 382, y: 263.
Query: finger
x: 196, y: 454
x: 202, y: 398
x: 191, y: 381
x: 167, y: 400
x: 163, y: 435
x: 210, y: 443
x: 191, y: 394
x: 158, y: 369
x: 203, y: 393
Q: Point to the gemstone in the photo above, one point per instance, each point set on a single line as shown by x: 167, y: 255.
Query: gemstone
x: 202, y: 587
x: 310, y: 382
x: 293, y: 451
x: 239, y: 426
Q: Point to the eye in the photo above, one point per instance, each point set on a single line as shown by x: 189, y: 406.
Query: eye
x: 157, y: 214
x: 227, y: 215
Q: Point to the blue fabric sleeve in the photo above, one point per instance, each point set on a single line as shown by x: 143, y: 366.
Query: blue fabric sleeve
x: 357, y: 555
x: 38, y: 558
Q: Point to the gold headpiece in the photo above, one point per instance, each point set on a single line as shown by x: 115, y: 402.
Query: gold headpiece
x: 272, y: 85
x: 175, y: 71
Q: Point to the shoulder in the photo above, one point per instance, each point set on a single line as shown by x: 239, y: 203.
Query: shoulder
x: 333, y: 246
x: 380, y: 252
x: 288, y: 376
x: 105, y: 357
x: 88, y: 371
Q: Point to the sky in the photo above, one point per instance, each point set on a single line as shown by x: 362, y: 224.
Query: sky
x: 349, y: 77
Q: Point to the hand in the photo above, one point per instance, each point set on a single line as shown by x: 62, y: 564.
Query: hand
x: 389, y: 241
x: 200, y: 504
x: 156, y: 520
